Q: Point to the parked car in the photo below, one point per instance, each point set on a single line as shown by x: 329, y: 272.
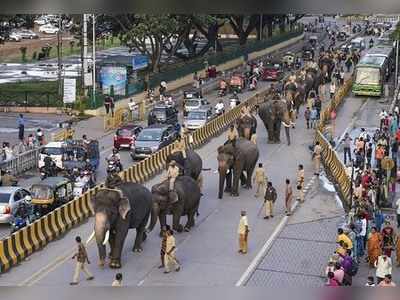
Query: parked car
x: 10, y: 197
x: 196, y: 103
x: 151, y: 139
x: 197, y: 118
x: 42, y: 20
x: 125, y: 136
x: 27, y: 34
x: 14, y: 37
x: 272, y: 72
x: 163, y: 114
x: 48, y: 29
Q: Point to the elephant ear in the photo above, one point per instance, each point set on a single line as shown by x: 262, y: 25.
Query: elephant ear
x: 124, y: 207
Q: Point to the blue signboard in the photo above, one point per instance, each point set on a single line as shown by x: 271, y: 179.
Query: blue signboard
x: 139, y: 62
x: 113, y: 76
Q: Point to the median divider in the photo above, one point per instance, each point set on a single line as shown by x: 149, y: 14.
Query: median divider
x: 334, y: 167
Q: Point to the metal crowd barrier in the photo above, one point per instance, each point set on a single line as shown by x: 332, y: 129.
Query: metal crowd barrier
x: 22, y: 162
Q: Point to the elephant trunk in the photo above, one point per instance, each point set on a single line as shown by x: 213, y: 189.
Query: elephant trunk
x: 247, y: 131
x: 155, y: 212
x: 101, y: 232
x: 222, y: 174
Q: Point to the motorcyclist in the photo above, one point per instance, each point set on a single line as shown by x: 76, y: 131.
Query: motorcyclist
x: 220, y: 107
x: 114, y: 156
x: 222, y: 86
x: 82, y: 179
x: 371, y: 42
x: 85, y: 140
x: 113, y: 180
x: 24, y: 209
x: 50, y: 167
x: 7, y: 179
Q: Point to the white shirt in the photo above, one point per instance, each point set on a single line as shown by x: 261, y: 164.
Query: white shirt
x: 219, y: 106
x: 383, y: 267
x: 382, y: 115
x: 398, y: 206
x: 363, y: 227
x: 232, y: 103
x: 132, y: 105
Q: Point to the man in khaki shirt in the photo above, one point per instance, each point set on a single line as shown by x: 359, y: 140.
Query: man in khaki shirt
x: 81, y: 258
x: 169, y: 256
x: 243, y: 231
x: 300, y: 183
x: 172, y: 174
x: 317, y: 158
x: 233, y: 134
x: 259, y: 179
x: 181, y: 146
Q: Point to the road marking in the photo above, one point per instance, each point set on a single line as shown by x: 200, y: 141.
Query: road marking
x: 140, y: 282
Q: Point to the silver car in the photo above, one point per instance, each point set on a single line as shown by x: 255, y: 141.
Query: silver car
x: 10, y: 197
x: 195, y: 103
x: 197, y: 118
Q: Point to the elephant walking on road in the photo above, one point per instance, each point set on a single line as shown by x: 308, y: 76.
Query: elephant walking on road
x: 116, y: 211
x: 247, y: 126
x: 236, y: 159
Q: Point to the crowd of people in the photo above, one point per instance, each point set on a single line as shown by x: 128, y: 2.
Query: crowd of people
x: 370, y: 236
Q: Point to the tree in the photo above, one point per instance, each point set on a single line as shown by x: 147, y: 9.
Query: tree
x: 23, y: 53
x: 243, y: 25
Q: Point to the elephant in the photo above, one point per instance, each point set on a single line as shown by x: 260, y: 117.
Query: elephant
x: 116, y: 211
x: 188, y: 203
x: 247, y: 126
x: 273, y: 113
x: 238, y: 158
x: 193, y: 165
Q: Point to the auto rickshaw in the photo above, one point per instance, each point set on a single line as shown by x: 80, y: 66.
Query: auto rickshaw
x: 237, y: 83
x: 308, y: 53
x: 51, y: 193
x: 288, y: 59
x: 313, y: 40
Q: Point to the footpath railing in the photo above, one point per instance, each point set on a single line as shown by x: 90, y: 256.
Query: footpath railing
x: 22, y: 162
x: 16, y: 247
x: 334, y: 167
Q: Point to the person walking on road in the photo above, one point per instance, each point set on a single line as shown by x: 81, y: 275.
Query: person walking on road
x: 163, y: 245
x: 132, y: 108
x: 21, y: 127
x: 300, y: 183
x: 383, y: 267
x: 260, y: 180
x: 170, y: 250
x: 317, y: 158
x: 269, y: 200
x: 243, y: 231
x: 307, y: 116
x: 117, y: 281
x: 288, y: 197
x: 347, y: 147
x: 313, y: 117
x: 81, y: 258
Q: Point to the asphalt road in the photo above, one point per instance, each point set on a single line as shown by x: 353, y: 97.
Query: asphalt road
x: 212, y: 241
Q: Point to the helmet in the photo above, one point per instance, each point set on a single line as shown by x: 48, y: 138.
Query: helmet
x: 28, y: 199
x: 115, y: 151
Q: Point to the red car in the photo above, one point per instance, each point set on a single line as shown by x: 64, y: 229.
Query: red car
x: 125, y: 136
x: 273, y: 72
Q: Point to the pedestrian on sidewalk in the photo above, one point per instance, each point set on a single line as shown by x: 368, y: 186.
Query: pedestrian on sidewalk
x: 379, y: 155
x: 331, y: 280
x: 243, y: 231
x: 347, y: 147
x: 318, y: 106
x: 368, y: 154
x: 81, y: 258
x: 307, y: 115
x: 132, y: 108
x: 21, y: 127
x: 382, y: 117
x: 374, y: 246
x: 269, y: 200
x: 314, y: 117
x: 117, y: 281
x: 398, y: 212
x: 398, y: 250
x: 300, y: 183
x: 341, y: 76
x: 332, y: 89
x: 260, y: 180
x: 344, y: 238
x: 107, y: 104
x: 170, y: 253
x: 317, y: 158
x: 339, y: 273
x: 383, y: 267
x: 288, y: 197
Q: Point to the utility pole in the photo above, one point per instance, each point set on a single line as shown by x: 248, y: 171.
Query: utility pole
x: 396, y: 76
x: 59, y: 54
x: 94, y: 61
x: 84, y: 56
x: 261, y: 27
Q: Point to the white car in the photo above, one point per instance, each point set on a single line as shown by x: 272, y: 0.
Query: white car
x: 10, y: 197
x: 41, y: 21
x: 48, y: 29
x: 14, y: 37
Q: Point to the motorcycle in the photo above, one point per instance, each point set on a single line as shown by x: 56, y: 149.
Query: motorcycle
x: 219, y: 109
x: 222, y: 92
x: 113, y: 166
x: 80, y: 188
x: 48, y: 172
x: 253, y: 83
x: 20, y: 222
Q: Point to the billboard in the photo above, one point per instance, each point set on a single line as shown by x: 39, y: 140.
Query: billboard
x: 113, y: 76
x: 69, y: 90
x: 139, y: 62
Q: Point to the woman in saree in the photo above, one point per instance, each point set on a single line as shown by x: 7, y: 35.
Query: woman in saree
x: 374, y: 246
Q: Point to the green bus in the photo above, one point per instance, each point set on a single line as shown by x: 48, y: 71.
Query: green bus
x: 372, y: 71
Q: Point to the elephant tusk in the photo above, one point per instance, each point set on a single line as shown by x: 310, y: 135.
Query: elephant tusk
x: 106, y: 237
x: 91, y: 237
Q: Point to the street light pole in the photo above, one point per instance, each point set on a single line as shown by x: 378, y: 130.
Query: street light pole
x: 94, y: 61
x: 261, y: 27
x: 85, y: 54
x: 59, y: 53
x: 396, y: 78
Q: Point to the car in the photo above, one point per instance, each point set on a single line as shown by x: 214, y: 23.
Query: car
x: 10, y: 197
x: 27, y: 34
x: 125, y: 136
x: 48, y: 29
x: 197, y: 118
x: 41, y: 21
x: 151, y: 139
x: 163, y: 114
x: 196, y: 103
x: 272, y: 72
x: 14, y: 37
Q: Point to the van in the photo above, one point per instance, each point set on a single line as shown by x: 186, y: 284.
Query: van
x: 358, y: 44
x: 55, y: 150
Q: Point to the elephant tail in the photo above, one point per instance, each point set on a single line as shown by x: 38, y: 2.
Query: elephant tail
x: 206, y: 169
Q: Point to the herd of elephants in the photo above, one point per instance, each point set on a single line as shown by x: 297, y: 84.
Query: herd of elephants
x: 115, y: 214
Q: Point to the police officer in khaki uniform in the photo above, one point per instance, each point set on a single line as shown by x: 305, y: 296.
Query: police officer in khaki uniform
x: 181, y: 146
x: 81, y: 258
x: 172, y: 174
x: 259, y: 179
x: 300, y: 183
x: 317, y: 158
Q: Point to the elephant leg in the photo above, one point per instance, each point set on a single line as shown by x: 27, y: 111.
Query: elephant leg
x: 163, y: 222
x: 190, y: 220
x: 176, y: 219
x: 111, y: 242
x: 249, y: 172
x: 236, y: 178
x: 116, y: 251
x: 137, y: 247
x: 228, y: 180
x: 243, y: 179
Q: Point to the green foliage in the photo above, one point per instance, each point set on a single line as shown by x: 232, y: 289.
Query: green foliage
x: 23, y: 53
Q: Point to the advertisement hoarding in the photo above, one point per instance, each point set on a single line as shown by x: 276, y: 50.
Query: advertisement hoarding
x: 113, y: 76
x: 139, y: 62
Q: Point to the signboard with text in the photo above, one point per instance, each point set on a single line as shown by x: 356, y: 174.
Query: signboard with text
x: 69, y: 90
